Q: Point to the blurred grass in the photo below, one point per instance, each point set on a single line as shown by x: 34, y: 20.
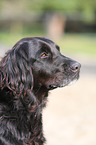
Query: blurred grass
x: 11, y: 38
x: 69, y: 43
x: 79, y: 43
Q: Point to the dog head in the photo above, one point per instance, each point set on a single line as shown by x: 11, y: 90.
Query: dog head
x: 50, y: 68
x: 36, y: 62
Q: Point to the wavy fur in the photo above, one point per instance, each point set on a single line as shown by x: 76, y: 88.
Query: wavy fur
x: 27, y: 72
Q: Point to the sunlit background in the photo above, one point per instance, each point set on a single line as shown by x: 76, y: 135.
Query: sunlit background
x: 70, y: 115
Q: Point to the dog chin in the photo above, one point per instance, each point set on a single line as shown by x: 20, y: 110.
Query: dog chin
x: 65, y: 83
x: 72, y: 82
x: 69, y: 83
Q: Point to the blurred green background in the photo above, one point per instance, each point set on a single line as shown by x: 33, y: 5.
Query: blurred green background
x: 70, y: 115
x: 72, y: 24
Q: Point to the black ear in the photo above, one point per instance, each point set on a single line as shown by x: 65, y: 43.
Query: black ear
x: 17, y: 69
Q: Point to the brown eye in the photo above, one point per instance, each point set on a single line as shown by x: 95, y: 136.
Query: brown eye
x: 44, y: 55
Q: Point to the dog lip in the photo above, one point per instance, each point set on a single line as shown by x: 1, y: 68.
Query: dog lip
x: 52, y: 86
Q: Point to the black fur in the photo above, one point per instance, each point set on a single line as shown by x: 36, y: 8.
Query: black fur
x: 27, y: 72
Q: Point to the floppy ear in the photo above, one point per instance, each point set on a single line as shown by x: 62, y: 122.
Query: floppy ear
x: 17, y: 69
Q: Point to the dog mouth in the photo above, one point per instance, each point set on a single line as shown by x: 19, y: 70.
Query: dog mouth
x: 71, y: 81
x: 52, y: 86
x: 65, y: 82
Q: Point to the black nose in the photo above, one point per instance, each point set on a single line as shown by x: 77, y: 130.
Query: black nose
x: 75, y: 66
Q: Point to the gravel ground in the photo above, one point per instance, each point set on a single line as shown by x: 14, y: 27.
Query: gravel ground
x: 70, y: 115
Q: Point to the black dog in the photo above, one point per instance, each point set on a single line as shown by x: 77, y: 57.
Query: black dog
x: 27, y: 72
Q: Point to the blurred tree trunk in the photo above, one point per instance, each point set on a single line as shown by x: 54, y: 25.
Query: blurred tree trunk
x: 55, y: 25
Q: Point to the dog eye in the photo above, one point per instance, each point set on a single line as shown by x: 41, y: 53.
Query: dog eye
x: 44, y: 55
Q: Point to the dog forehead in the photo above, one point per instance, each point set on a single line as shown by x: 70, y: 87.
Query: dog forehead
x: 48, y: 44
x: 40, y: 43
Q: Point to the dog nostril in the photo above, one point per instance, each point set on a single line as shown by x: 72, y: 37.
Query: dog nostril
x: 75, y: 66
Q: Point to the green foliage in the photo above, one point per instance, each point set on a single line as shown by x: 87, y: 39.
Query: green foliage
x: 0, y: 4
x: 61, y: 5
x: 88, y: 7
x: 69, y: 5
